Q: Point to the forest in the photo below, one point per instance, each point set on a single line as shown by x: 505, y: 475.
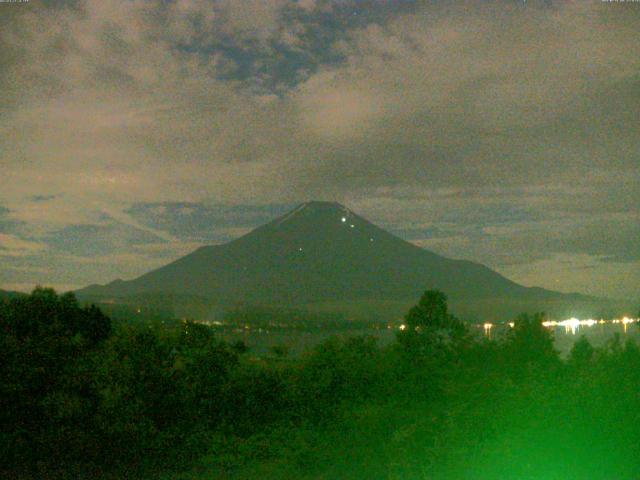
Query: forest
x: 85, y: 396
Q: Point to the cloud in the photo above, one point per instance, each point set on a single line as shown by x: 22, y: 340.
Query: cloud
x: 14, y: 246
x: 91, y: 240
x: 253, y: 18
x: 205, y: 223
x: 571, y: 273
x: 478, y: 95
x: 42, y: 198
x: 491, y: 130
x: 7, y: 224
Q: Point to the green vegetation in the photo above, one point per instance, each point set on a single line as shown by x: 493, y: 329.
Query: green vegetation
x: 84, y: 397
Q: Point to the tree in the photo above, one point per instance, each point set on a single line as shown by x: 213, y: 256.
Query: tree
x: 529, y: 342
x: 430, y: 312
x: 431, y: 315
x: 429, y: 327
x: 47, y: 385
x: 581, y: 352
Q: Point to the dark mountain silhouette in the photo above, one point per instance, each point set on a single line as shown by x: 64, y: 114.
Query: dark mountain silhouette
x: 322, y: 252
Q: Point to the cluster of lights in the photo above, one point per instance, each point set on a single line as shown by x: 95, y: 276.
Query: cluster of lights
x: 573, y: 324
x: 344, y: 220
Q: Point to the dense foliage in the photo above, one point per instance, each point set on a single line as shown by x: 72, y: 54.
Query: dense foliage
x: 81, y: 397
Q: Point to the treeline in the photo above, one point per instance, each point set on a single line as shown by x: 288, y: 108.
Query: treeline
x: 83, y: 397
x: 292, y: 319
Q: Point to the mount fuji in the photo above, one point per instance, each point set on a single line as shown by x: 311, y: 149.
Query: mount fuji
x: 322, y: 254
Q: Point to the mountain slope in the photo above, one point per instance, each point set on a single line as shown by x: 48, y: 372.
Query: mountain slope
x: 321, y: 252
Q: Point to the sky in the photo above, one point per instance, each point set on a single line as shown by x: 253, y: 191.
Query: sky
x: 505, y: 132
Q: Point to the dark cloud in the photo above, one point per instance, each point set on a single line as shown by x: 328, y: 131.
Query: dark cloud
x: 205, y: 223
x: 89, y: 240
x: 614, y: 240
x: 42, y: 198
x: 7, y: 224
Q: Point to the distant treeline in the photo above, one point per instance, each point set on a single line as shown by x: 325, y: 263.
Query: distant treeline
x: 82, y: 396
x: 274, y: 318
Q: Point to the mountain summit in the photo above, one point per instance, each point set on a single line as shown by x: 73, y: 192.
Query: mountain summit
x: 324, y: 253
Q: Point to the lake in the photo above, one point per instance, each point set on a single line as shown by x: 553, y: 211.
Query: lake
x: 261, y: 340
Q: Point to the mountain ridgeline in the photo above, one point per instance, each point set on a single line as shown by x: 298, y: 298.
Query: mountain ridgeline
x: 324, y: 256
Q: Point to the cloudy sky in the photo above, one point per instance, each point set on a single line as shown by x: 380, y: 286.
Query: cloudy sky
x: 501, y: 131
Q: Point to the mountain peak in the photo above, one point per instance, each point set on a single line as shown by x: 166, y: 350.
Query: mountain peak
x: 323, y: 204
x: 315, y: 210
x: 320, y: 203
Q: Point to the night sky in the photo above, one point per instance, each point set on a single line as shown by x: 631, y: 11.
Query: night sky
x: 504, y: 132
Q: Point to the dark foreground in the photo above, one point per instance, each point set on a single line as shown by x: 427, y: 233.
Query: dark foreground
x: 82, y: 397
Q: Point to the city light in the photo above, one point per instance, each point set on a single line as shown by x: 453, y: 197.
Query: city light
x: 571, y: 325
